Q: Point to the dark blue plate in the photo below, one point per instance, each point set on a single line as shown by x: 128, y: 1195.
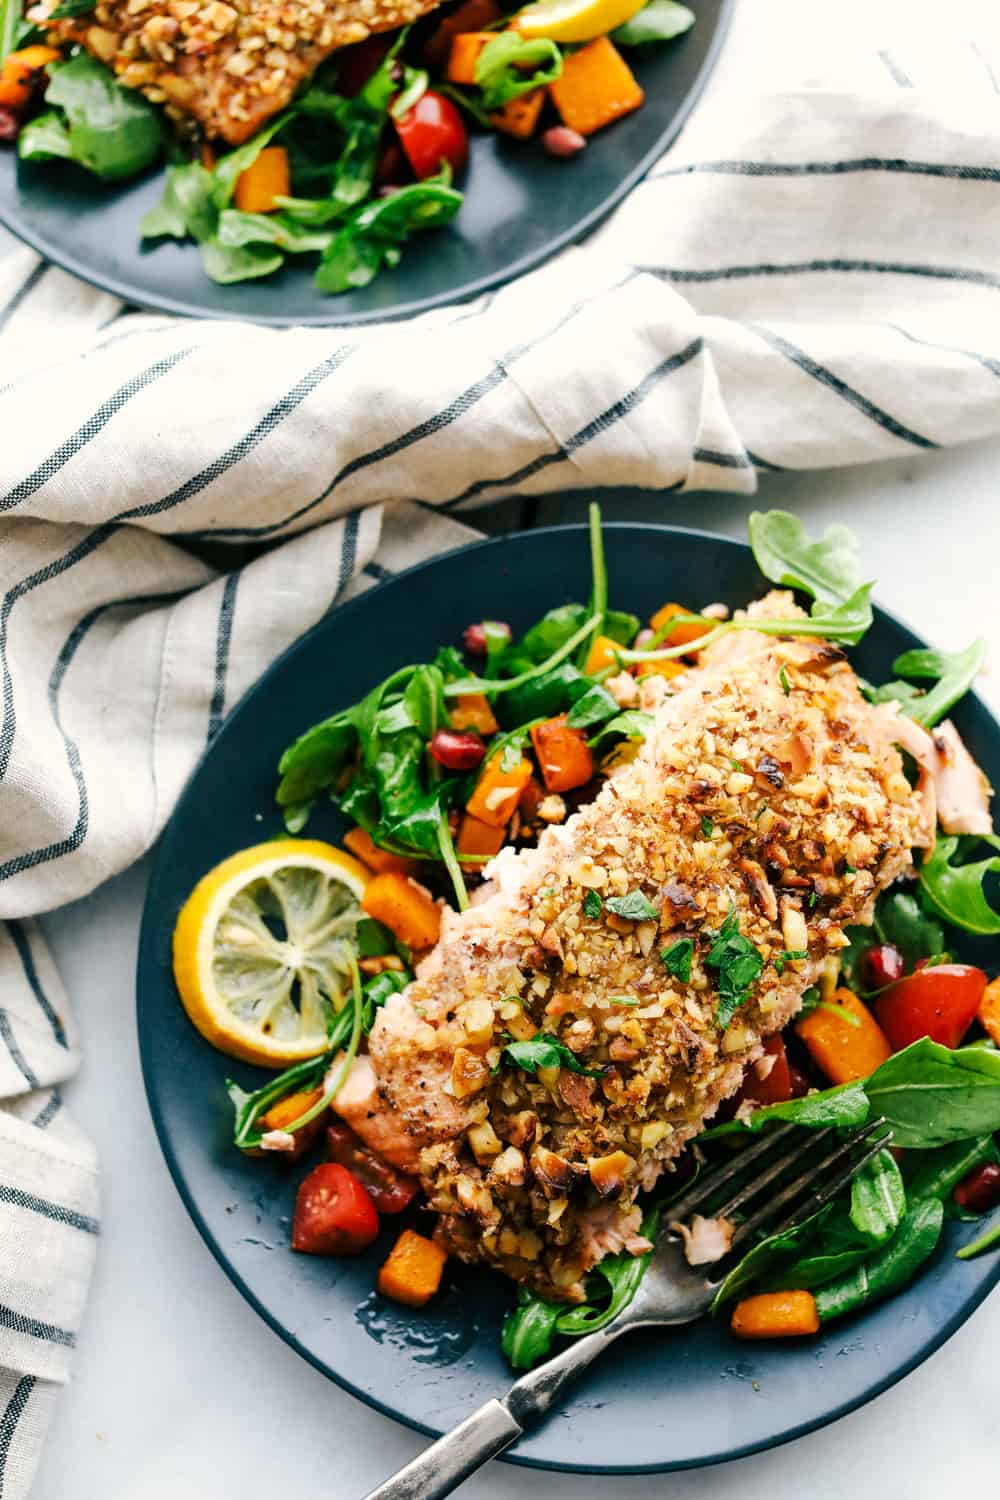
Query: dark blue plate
x: 520, y: 207
x: 659, y: 1400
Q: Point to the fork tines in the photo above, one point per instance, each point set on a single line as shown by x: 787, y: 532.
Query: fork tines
x: 803, y: 1192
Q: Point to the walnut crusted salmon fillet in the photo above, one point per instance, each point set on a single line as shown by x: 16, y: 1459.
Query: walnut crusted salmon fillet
x: 767, y: 792
x: 229, y: 65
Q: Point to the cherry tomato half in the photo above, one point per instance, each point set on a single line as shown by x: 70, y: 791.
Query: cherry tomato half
x: 940, y: 1002
x: 430, y: 132
x: 333, y: 1213
x: 390, y: 1191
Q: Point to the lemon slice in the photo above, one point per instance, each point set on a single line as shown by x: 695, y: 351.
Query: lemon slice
x: 575, y: 20
x: 263, y: 949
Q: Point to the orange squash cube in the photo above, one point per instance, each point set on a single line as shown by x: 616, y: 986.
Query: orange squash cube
x: 478, y: 838
x: 602, y: 654
x: 775, y: 1315
x: 845, y: 1050
x: 406, y: 908
x: 596, y: 86
x: 473, y: 711
x: 497, y: 791
x: 265, y: 180
x: 413, y: 1272
x: 464, y: 55
x: 564, y: 757
x: 681, y: 635
x: 519, y: 116
x: 364, y: 847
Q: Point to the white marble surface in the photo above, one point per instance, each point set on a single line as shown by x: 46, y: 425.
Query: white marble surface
x: 181, y: 1390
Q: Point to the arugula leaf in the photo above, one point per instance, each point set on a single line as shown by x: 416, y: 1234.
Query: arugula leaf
x: 739, y: 967
x: 931, y: 1095
x: 424, y: 700
x: 827, y: 570
x: 186, y: 207
x: 592, y: 904
x: 620, y: 626
x: 551, y: 632
x: 594, y: 706
x: 633, y: 724
x: 502, y: 67
x: 634, y: 907
x: 889, y: 1269
x: 955, y: 890
x: 237, y: 229
x: 544, y: 1051
x: 678, y: 959
x: 227, y: 264
x: 317, y: 759
x: 659, y: 21
x: 878, y: 1198
x: 110, y: 130
x: 372, y: 236
x: 546, y: 695
x: 955, y: 673
x: 835, y: 1251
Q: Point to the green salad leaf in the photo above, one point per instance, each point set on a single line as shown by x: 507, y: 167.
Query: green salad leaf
x: 890, y: 1268
x: 954, y: 888
x: 931, y: 1095
x: 954, y: 673
x: 373, y: 235
x: 878, y: 1198
x: 510, y: 65
x: 827, y: 570
x: 844, y: 1105
x: 110, y: 130
x: 595, y: 706
x: 659, y: 21
x: 633, y: 724
x: 678, y: 958
x: 544, y: 1051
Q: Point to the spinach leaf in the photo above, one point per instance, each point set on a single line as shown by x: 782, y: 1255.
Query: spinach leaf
x: 739, y: 967
x: 878, y: 1198
x: 835, y: 1251
x: 317, y: 759
x: 552, y: 631
x: 955, y: 673
x: 373, y: 939
x: 844, y: 1105
x: 227, y: 264
x: 110, y: 130
x: 955, y: 890
x: 502, y: 67
x: 186, y: 207
x: 633, y: 724
x: 622, y: 1273
x: 529, y: 1328
x: 678, y: 959
x: 424, y: 700
x: 45, y: 138
x: 931, y: 1095
x: 827, y: 570
x: 659, y: 21
x: 420, y: 826
x: 545, y: 696
x: 768, y: 1255
x: 620, y: 626
x: 372, y: 236
x: 890, y: 1268
x: 634, y: 907
x: 544, y: 1051
x: 939, y: 1172
x: 595, y: 706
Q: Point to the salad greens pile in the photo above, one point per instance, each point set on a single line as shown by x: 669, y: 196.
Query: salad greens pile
x: 92, y: 120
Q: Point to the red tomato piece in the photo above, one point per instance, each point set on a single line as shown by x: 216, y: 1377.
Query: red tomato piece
x: 333, y: 1213
x: 390, y: 1190
x: 432, y: 131
x: 940, y: 1002
x: 777, y: 1086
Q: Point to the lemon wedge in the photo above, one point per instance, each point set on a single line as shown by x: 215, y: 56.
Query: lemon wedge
x: 575, y: 20
x: 263, y: 949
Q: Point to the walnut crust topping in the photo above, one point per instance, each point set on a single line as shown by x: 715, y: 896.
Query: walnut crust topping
x: 796, y: 866
x: 230, y: 65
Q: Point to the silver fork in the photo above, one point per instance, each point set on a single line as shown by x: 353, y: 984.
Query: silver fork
x: 671, y: 1293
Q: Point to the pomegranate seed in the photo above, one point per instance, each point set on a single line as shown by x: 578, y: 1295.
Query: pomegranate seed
x: 10, y: 125
x: 458, y: 751
x: 562, y: 141
x: 980, y: 1190
x: 882, y: 965
x: 474, y: 636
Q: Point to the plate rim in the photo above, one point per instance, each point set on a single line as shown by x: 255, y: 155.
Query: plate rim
x: 178, y: 307
x: 866, y: 1393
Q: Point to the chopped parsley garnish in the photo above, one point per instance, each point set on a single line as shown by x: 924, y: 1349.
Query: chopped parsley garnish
x: 850, y: 869
x: 813, y: 898
x: 737, y: 765
x: 544, y: 1051
x: 739, y: 966
x: 634, y: 907
x: 706, y: 826
x: 785, y: 684
x: 549, y: 890
x: 592, y: 904
x: 788, y: 956
x: 624, y: 999
x: 678, y: 959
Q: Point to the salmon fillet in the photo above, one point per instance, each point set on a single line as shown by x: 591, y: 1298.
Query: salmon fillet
x: 230, y: 66
x: 788, y: 808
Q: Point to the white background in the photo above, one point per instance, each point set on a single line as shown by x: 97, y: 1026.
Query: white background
x: 181, y: 1391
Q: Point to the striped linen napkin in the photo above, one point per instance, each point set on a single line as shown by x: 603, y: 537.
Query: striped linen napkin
x: 807, y: 279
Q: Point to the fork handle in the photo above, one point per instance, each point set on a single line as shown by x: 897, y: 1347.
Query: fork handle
x: 446, y: 1464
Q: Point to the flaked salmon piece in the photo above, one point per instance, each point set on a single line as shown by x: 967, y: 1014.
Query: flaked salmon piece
x: 767, y: 789
x: 229, y: 65
x: 953, y: 790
